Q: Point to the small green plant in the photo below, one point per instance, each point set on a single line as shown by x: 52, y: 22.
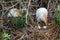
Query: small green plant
x: 56, y: 15
x: 4, y: 36
x: 18, y: 21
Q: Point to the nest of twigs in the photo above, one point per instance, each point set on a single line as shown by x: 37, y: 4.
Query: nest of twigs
x: 30, y: 32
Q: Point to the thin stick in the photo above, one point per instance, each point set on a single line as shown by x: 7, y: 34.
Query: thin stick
x: 21, y: 37
x: 48, y: 4
x: 11, y: 7
x: 27, y: 10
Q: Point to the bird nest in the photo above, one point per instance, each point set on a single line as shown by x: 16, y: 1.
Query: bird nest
x: 31, y: 32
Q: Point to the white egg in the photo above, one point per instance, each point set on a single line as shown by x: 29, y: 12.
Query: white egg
x: 45, y: 27
x: 39, y: 27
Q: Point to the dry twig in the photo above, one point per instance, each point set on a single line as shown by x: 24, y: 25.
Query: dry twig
x: 27, y: 10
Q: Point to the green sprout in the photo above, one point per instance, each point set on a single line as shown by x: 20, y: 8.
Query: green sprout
x: 4, y: 36
x: 17, y: 21
x: 56, y: 15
